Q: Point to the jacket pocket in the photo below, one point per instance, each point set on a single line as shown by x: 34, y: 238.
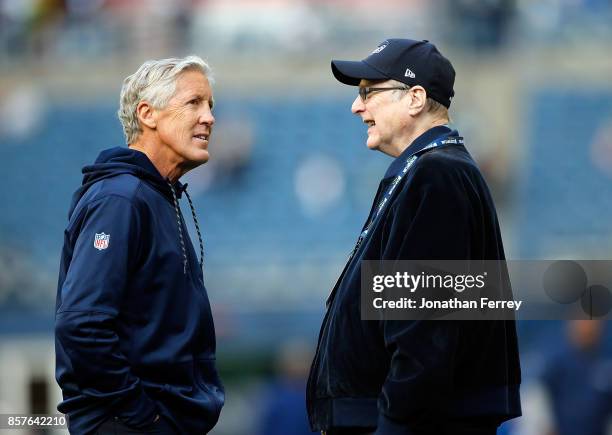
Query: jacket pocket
x: 207, y: 379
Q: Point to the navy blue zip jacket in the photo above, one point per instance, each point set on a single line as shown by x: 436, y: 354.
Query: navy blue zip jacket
x: 134, y: 334
x: 418, y: 377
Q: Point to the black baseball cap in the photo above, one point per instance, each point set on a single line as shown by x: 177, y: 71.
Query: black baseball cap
x: 405, y: 60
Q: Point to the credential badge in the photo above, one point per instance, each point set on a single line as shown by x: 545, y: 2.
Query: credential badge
x: 101, y: 241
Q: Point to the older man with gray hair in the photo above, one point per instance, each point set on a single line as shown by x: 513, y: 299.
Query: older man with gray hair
x: 134, y: 334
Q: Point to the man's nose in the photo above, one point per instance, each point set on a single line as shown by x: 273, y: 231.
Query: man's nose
x: 206, y: 116
x: 358, y: 105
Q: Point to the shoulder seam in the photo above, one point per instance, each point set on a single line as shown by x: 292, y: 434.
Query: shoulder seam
x: 103, y: 195
x: 108, y: 195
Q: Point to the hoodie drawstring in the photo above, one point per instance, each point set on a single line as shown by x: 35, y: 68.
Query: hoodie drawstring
x: 197, y: 226
x: 180, y: 227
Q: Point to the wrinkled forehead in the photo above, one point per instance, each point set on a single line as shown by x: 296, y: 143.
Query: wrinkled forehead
x: 192, y: 81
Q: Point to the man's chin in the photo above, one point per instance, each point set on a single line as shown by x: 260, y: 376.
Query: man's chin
x: 198, y: 158
x: 204, y: 158
x: 373, y: 145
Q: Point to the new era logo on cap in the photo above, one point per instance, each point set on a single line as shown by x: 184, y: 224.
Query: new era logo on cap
x: 428, y: 68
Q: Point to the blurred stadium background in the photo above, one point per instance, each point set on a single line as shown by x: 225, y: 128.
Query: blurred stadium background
x: 290, y: 180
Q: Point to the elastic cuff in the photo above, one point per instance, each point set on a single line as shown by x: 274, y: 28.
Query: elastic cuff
x: 138, y: 411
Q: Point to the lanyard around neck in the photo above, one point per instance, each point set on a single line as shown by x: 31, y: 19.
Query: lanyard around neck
x: 410, y: 160
x: 445, y: 140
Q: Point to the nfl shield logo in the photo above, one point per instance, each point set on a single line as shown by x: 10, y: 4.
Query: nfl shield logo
x: 101, y: 241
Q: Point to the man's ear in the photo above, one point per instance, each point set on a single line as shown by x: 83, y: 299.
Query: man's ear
x: 417, y: 101
x: 145, y: 113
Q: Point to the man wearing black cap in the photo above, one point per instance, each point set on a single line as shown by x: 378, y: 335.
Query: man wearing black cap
x: 414, y: 377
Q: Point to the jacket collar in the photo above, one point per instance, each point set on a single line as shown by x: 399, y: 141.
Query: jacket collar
x: 417, y: 145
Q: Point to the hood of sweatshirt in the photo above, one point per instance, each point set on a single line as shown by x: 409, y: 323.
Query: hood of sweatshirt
x: 121, y: 160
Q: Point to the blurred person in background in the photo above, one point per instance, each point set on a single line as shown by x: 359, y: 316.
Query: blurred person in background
x: 134, y: 334
x: 283, y: 410
x: 578, y: 379
x: 414, y: 377
x: 480, y: 24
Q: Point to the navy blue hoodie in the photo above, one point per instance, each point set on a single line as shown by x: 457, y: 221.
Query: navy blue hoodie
x: 134, y: 334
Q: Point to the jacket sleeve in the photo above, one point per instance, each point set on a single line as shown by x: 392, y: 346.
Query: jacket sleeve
x: 430, y: 221
x: 87, y: 344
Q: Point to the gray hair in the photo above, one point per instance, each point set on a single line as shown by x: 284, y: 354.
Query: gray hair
x: 155, y: 82
x: 431, y: 105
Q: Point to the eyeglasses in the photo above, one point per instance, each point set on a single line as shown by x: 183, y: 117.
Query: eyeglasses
x: 364, y: 92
